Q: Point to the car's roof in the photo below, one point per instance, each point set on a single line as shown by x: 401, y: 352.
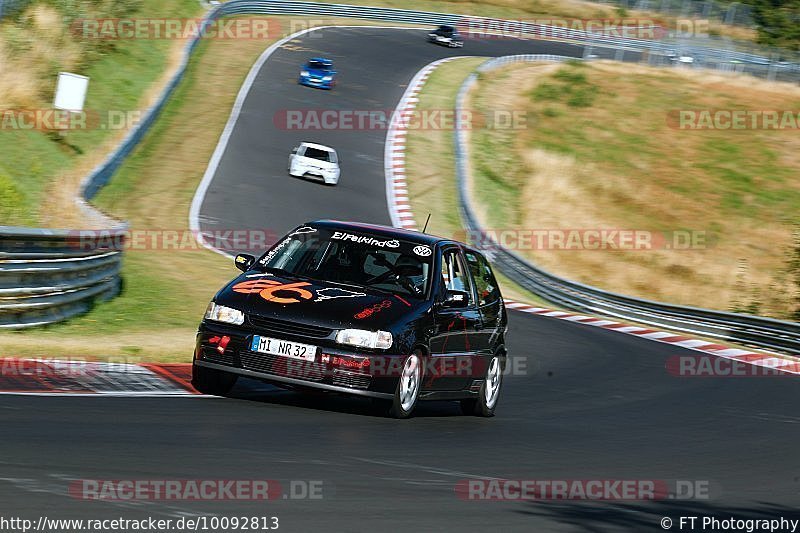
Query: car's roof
x: 385, y: 231
x: 318, y: 146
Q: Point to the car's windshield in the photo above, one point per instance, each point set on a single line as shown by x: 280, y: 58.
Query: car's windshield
x: 353, y: 258
x: 320, y: 155
x: 319, y: 65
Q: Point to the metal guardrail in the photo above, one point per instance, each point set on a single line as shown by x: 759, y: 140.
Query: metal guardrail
x: 744, y: 329
x: 705, y: 56
x: 50, y: 275
x: 59, y: 289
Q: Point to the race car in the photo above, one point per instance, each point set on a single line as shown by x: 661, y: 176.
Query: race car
x: 394, y: 315
x: 447, y: 36
x: 318, y: 72
x: 316, y: 160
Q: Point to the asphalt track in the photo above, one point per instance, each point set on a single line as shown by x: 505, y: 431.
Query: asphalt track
x: 592, y: 404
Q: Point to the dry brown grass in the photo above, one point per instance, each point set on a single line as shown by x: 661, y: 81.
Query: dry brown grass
x: 430, y: 166
x: 59, y: 206
x: 27, y: 53
x: 619, y: 165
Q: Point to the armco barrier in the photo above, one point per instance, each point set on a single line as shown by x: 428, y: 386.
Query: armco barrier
x: 751, y: 330
x: 56, y: 289
x: 47, y: 276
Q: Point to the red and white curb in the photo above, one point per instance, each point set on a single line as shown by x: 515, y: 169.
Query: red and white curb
x: 403, y: 217
x: 32, y: 376
x: 395, y: 149
x: 774, y: 361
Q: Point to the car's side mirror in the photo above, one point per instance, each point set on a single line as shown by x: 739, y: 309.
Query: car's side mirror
x: 244, y: 261
x: 455, y: 299
x: 295, y: 149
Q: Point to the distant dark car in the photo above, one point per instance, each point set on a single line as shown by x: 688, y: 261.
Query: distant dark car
x: 395, y: 315
x: 447, y: 36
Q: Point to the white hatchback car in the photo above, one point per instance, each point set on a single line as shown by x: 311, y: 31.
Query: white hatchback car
x: 311, y: 159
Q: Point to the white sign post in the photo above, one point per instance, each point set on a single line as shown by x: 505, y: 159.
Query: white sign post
x: 71, y: 92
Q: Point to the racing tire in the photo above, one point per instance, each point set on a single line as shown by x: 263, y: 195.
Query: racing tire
x: 212, y: 381
x: 486, y: 402
x: 406, y: 394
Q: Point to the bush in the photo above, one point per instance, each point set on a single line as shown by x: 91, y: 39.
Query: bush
x: 570, y: 76
x: 583, y: 97
x: 547, y: 91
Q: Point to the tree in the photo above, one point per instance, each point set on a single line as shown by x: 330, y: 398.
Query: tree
x: 778, y: 22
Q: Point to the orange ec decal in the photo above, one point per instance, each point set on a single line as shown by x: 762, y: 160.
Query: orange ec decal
x: 269, y: 289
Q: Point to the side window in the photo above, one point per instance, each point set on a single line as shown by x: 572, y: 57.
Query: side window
x: 301, y: 151
x: 485, y: 284
x: 454, y: 274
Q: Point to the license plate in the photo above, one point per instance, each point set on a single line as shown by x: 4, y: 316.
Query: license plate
x: 295, y: 350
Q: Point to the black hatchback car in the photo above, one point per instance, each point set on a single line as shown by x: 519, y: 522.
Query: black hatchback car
x: 447, y: 36
x: 395, y: 315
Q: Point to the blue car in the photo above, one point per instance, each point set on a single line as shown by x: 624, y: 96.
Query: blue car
x: 318, y: 72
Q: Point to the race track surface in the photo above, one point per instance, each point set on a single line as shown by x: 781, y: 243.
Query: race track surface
x: 586, y: 404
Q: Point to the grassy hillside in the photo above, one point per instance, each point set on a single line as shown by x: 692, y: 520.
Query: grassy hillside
x: 38, y: 43
x: 602, y: 149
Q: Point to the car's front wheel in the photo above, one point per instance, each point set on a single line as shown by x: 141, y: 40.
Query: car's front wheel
x: 486, y: 402
x: 407, y: 392
x: 211, y: 381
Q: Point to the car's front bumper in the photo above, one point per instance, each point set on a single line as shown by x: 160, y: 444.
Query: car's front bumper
x: 294, y: 381
x: 446, y: 42
x: 334, y: 368
x: 314, y: 82
x: 327, y: 177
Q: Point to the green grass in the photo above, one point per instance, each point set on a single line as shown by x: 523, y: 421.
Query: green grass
x: 625, y: 167
x: 430, y: 165
x: 119, y: 77
x: 165, y: 293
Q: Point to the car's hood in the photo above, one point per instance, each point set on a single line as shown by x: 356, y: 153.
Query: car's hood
x: 310, y: 161
x: 318, y: 72
x: 314, y: 302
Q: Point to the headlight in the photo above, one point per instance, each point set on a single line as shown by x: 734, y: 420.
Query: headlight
x: 327, y: 78
x: 228, y: 315
x: 304, y: 73
x: 365, y: 339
